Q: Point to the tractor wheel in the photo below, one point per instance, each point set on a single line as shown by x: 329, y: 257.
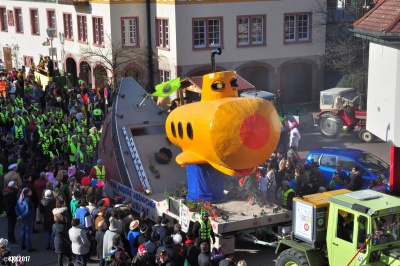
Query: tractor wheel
x: 292, y: 257
x: 366, y: 136
x: 330, y: 125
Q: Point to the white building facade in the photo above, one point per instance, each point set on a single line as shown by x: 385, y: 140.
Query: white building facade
x: 273, y: 44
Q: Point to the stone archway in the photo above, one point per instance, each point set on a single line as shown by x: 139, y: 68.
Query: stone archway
x: 100, y: 76
x: 296, y: 81
x: 258, y: 76
x: 85, y: 73
x: 71, y: 69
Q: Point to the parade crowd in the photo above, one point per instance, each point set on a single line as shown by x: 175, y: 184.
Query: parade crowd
x: 51, y: 178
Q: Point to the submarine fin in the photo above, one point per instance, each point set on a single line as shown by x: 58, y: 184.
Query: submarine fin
x: 186, y: 158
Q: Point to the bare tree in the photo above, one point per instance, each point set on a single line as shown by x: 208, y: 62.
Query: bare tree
x: 114, y: 57
x: 345, y: 53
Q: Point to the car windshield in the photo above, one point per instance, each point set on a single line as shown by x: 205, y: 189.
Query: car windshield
x: 373, y: 163
x: 386, y: 229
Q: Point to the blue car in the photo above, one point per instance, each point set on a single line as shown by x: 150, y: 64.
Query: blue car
x: 370, y: 165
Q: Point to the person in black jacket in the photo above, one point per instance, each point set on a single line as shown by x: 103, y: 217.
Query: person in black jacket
x: 204, y: 257
x: 316, y: 178
x: 168, y: 242
x: 47, y: 204
x: 62, y: 244
x: 143, y: 258
x: 10, y: 197
x: 355, y: 182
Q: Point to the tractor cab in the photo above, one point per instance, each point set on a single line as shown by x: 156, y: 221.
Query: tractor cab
x: 342, y: 227
x: 336, y: 99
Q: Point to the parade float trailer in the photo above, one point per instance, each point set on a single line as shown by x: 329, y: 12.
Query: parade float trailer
x: 132, y: 136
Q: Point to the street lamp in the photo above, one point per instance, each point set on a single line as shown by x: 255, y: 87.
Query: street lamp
x: 50, y: 34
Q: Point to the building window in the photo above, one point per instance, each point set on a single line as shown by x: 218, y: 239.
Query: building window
x: 82, y: 28
x: 163, y: 76
x: 251, y: 30
x: 98, y: 34
x: 130, y: 32
x: 68, y: 34
x: 51, y: 19
x: 162, y: 33
x: 207, y: 32
x: 34, y: 21
x: 19, y: 25
x: 297, y: 28
x: 3, y: 19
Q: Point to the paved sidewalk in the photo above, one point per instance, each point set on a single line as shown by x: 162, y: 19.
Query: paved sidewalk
x: 42, y: 256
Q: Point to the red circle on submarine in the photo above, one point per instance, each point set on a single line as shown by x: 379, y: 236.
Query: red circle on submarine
x: 255, y: 131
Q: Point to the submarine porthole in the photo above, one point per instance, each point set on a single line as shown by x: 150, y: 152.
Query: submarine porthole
x: 173, y: 129
x: 189, y: 131
x: 180, y: 130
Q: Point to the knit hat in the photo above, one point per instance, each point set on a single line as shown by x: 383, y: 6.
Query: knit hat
x: 106, y: 202
x: 3, y: 242
x: 177, y: 238
x: 99, y: 161
x: 285, y: 183
x: 134, y: 224
x: 85, y: 181
x: 47, y: 193
x: 100, y: 183
x: 142, y: 250
x: 93, y: 182
x: 113, y: 225
x: 164, y: 221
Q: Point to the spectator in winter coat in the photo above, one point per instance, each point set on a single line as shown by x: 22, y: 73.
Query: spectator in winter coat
x: 10, y: 197
x: 143, y: 258
x: 12, y: 175
x: 40, y: 185
x: 204, y: 257
x: 355, y: 182
x: 193, y: 253
x: 163, y: 259
x: 168, y: 242
x: 62, y: 244
x: 46, y: 206
x: 132, y: 235
x: 228, y: 261
x: 164, y: 229
x: 80, y: 242
x: 316, y: 178
x: 179, y: 248
x: 26, y: 215
x: 144, y: 235
x: 99, y: 239
x: 152, y: 244
x: 108, y: 236
x: 294, y: 137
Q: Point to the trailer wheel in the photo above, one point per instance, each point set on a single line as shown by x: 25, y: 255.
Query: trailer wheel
x: 330, y: 125
x: 366, y: 136
x: 292, y: 257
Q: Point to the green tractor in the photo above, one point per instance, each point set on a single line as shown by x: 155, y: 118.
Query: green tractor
x: 343, y: 228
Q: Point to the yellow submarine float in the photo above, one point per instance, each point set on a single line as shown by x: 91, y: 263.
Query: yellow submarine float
x: 207, y: 141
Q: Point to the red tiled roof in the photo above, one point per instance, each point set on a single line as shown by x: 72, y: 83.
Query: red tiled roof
x: 244, y: 85
x: 384, y: 18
